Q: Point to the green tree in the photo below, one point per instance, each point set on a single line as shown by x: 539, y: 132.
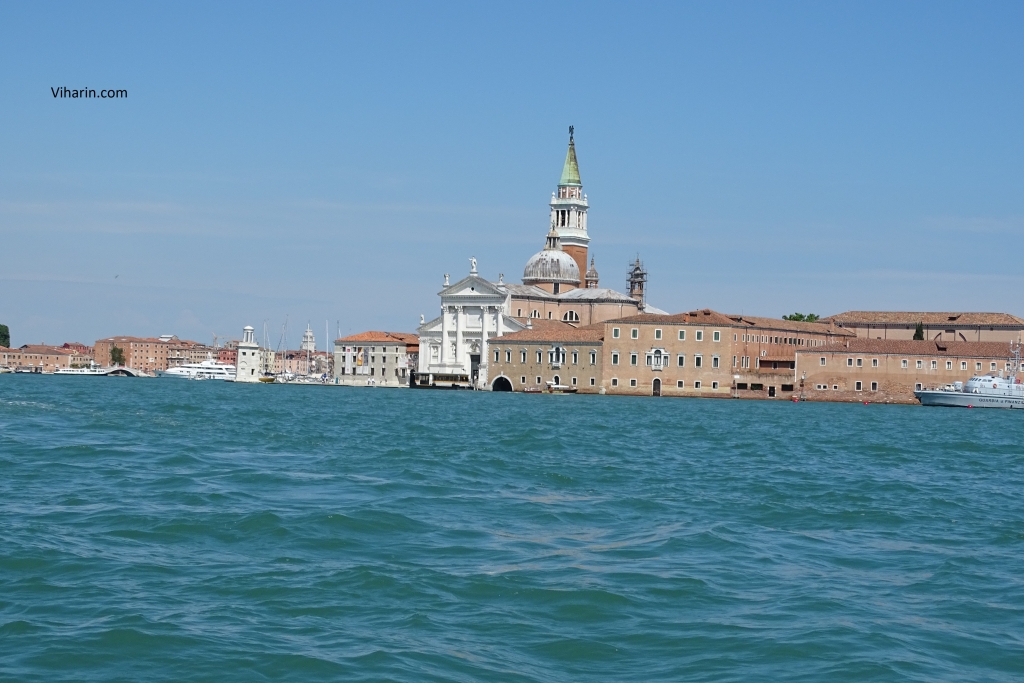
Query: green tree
x: 117, y: 356
x: 919, y: 332
x: 5, y: 336
x: 801, y: 318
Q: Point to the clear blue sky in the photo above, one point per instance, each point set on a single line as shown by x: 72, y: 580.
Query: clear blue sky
x: 331, y: 162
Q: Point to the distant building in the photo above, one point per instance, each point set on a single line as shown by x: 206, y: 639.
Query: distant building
x: 950, y: 326
x: 248, y: 367
x: 308, y: 340
x: 39, y: 358
x: 548, y: 351
x: 382, y: 359
x: 890, y: 370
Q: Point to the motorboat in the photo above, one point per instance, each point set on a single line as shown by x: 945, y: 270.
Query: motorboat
x: 980, y: 391
x: 207, y: 369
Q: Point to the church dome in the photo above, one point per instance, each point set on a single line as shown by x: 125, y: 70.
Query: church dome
x: 551, y: 265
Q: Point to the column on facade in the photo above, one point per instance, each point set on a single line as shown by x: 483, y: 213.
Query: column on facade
x: 484, y: 310
x: 444, y: 334
x: 458, y: 335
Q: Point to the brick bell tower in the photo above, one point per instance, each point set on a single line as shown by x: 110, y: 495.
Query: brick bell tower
x: 569, y: 211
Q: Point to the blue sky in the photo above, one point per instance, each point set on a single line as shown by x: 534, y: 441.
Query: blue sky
x: 316, y: 162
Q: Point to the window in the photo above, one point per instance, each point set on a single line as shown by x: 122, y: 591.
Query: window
x: 680, y: 384
x: 508, y: 356
x: 634, y: 333
x: 918, y: 386
x: 992, y: 367
x: 920, y: 364
x: 696, y: 385
x: 571, y: 317
x: 903, y: 363
x: 860, y: 362
x: 522, y: 380
x: 874, y: 362
x: 615, y: 381
x: 835, y: 387
x: 657, y: 334
x: 935, y: 365
x: 858, y: 386
x: 538, y: 379
x: 734, y: 361
x: 535, y: 314
x: 977, y: 367
x: 574, y: 381
x: 949, y: 365
x: 716, y: 336
x: 822, y: 361
x: 700, y: 335
x: 591, y: 381
x: 615, y: 358
x: 519, y: 314
x: 632, y: 359
x: 697, y: 360
x: 522, y: 356
x: 497, y: 355
x: 632, y: 382
x: 714, y: 361
x: 734, y: 337
x: 963, y: 365
x: 714, y: 385
x: 615, y: 333
x: 549, y: 314
x: 575, y: 357
x: 874, y: 386
x: 849, y: 362
x: 650, y: 359
x: 680, y: 360
x: 757, y: 387
x: 682, y: 335
x: 540, y: 358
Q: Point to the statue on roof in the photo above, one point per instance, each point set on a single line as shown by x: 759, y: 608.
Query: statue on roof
x: 570, y: 133
x: 472, y: 265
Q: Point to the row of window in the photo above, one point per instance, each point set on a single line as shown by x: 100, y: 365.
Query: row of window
x: 663, y: 359
x: 556, y: 380
x: 679, y: 384
x: 634, y: 333
x: 556, y: 356
x: 918, y: 364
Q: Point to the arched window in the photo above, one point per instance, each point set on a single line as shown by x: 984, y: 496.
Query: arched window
x: 571, y: 317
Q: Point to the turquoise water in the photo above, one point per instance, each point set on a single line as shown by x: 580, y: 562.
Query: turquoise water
x: 165, y: 530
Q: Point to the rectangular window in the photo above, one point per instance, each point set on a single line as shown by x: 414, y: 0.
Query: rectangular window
x: 615, y: 358
x: 903, y: 363
x: 522, y: 356
x: 860, y: 362
x: 574, y: 381
x: 650, y: 360
x: 680, y: 384
x: 615, y: 381
x: 734, y: 360
x: 540, y: 357
x: 697, y: 360
x: 949, y: 365
x: 714, y: 361
x: 734, y: 337
x: 632, y: 359
x: 575, y: 357
x: 634, y: 333
x: 935, y: 365
x: 822, y: 361
x: 858, y: 386
x: 977, y: 367
x: 508, y: 356
x: 497, y: 356
x: 920, y: 364
x: 615, y: 333
x: 657, y: 334
x: 682, y: 335
x: 874, y: 386
x: 696, y: 385
x: 716, y: 336
x: 632, y: 382
x: 714, y: 385
x: 874, y: 362
x: 700, y: 335
x: 591, y: 381
x: 849, y: 362
x: 522, y: 380
x: 680, y: 360
x: 918, y: 386
x: 963, y: 365
x: 593, y: 357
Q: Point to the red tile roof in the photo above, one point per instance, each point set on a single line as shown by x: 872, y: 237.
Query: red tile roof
x: 907, y: 347
x: 706, y: 316
x: 554, y: 331
x: 929, y: 318
x: 376, y: 337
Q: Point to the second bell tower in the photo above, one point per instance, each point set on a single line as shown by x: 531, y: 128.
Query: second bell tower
x: 569, y: 210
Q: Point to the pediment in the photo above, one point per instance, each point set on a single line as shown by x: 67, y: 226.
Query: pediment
x: 473, y: 286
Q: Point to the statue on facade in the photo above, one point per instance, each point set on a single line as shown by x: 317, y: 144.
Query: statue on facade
x: 472, y: 265
x: 446, y: 280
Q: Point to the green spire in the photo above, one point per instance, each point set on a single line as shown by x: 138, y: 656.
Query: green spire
x: 571, y: 170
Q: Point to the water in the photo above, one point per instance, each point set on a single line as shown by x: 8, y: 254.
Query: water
x: 166, y: 530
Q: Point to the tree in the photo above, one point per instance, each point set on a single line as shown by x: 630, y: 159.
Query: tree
x: 919, y: 332
x: 5, y: 336
x: 117, y: 355
x: 801, y: 318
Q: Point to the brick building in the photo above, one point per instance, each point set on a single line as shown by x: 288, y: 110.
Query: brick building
x: 38, y: 358
x: 977, y: 327
x: 383, y: 359
x: 890, y: 370
x: 548, y: 351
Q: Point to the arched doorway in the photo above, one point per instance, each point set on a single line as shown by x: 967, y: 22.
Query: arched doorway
x: 501, y: 384
x: 657, y: 387
x: 556, y: 380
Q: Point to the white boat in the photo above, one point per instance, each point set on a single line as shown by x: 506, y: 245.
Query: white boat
x: 980, y: 391
x: 208, y: 369
x: 89, y: 372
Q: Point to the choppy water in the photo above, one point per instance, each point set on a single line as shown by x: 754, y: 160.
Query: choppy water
x: 164, y: 530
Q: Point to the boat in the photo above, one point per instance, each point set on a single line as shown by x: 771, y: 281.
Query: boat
x: 208, y: 369
x: 980, y: 391
x: 91, y: 371
x: 552, y: 388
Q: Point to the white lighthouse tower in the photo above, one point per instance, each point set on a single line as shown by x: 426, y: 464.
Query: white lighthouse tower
x: 247, y: 367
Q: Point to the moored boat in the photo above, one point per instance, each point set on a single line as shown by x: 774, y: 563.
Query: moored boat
x: 980, y: 391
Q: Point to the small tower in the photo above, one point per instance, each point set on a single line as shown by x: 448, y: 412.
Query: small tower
x: 637, y: 280
x: 247, y: 367
x: 308, y: 340
x: 591, y: 276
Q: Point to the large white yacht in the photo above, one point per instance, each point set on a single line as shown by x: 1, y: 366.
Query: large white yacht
x: 208, y: 369
x: 980, y: 391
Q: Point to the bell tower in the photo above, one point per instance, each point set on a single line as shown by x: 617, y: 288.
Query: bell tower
x: 569, y: 210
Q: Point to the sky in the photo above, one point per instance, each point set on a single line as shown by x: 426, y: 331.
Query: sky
x: 285, y: 164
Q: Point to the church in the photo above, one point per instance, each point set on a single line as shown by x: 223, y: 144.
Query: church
x: 558, y: 284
